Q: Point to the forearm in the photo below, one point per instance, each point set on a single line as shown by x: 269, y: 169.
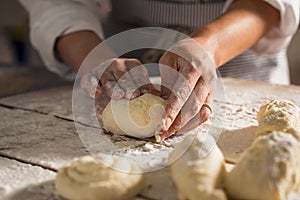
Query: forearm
x: 245, y: 22
x: 73, y: 48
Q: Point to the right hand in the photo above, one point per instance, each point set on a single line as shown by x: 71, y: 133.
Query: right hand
x: 118, y: 78
x: 188, y: 76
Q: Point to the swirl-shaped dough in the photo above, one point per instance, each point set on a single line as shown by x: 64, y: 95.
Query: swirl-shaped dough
x: 89, y: 179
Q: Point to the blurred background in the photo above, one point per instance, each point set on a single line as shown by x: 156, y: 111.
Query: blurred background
x: 21, y: 69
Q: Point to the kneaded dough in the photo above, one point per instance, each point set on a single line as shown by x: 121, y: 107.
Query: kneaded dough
x: 269, y: 170
x: 199, y: 171
x: 140, y: 117
x: 278, y: 115
x: 89, y: 179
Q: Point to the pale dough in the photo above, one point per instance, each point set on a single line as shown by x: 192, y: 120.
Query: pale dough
x: 140, y: 117
x: 269, y: 170
x: 87, y: 178
x: 278, y: 115
x: 198, y: 172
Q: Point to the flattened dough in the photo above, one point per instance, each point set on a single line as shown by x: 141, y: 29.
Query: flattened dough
x: 89, y: 179
x: 140, y: 117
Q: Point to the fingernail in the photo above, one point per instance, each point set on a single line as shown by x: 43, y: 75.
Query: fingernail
x: 158, y: 138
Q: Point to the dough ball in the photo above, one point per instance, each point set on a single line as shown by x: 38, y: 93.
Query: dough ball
x: 89, y: 179
x: 278, y: 115
x: 269, y: 170
x: 140, y: 117
x: 199, y: 171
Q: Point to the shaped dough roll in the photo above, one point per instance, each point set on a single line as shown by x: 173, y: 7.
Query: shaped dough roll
x: 86, y: 178
x: 278, y: 115
x: 198, y: 172
x: 269, y: 170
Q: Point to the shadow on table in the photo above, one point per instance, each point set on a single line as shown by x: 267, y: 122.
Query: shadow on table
x: 42, y: 191
x: 233, y: 143
x: 17, y: 80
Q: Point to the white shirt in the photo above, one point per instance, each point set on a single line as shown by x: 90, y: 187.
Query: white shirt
x: 266, y: 60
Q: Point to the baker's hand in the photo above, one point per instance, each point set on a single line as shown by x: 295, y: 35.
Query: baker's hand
x: 188, y: 76
x: 118, y: 78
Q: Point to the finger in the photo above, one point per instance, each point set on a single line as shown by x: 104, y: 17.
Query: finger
x: 140, y: 76
x: 111, y: 88
x: 182, y: 89
x: 103, y: 67
x: 110, y: 77
x: 90, y: 84
x: 190, y: 109
x: 168, y: 74
x: 100, y: 105
x: 125, y: 81
x: 195, y: 101
x: 161, y: 136
x: 202, y: 116
x: 155, y: 91
x: 199, y: 119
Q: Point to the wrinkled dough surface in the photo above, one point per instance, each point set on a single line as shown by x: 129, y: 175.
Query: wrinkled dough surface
x: 89, y: 179
x: 140, y: 117
x: 278, y: 115
x: 269, y: 170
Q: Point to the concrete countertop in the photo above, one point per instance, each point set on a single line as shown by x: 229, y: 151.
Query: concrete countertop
x: 38, y: 136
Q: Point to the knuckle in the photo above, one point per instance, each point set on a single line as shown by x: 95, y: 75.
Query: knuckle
x: 132, y: 62
x: 109, y: 85
x: 118, y: 62
x: 165, y: 58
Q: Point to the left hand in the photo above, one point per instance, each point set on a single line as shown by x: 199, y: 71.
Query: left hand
x: 188, y: 76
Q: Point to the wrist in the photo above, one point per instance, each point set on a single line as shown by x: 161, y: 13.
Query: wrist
x: 206, y: 39
x: 239, y: 28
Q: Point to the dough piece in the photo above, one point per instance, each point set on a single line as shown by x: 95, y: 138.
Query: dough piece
x: 269, y: 170
x: 86, y: 178
x: 140, y: 117
x: 278, y: 115
x: 198, y: 172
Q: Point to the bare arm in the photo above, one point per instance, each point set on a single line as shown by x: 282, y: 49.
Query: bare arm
x: 245, y: 22
x: 73, y: 48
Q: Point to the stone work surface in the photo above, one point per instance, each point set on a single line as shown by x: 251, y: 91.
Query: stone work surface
x: 38, y: 136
